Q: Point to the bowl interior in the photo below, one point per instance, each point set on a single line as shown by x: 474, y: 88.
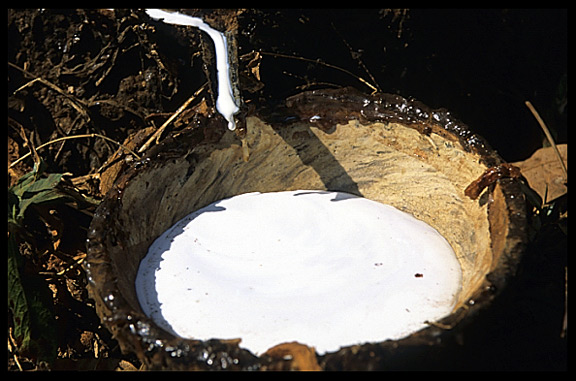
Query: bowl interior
x: 424, y: 175
x: 421, y: 171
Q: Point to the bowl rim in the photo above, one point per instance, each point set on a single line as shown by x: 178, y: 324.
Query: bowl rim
x: 158, y: 349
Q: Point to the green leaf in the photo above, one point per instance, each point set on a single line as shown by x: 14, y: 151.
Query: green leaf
x: 47, y: 195
x: 49, y: 182
x: 25, y: 181
x: 30, y: 190
x: 29, y: 297
x: 30, y: 301
x: 17, y: 298
x: 22, y: 184
x: 13, y: 202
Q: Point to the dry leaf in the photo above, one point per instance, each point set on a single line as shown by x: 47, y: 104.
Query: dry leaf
x: 544, y: 172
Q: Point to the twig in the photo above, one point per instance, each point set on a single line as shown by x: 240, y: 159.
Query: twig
x: 76, y: 261
x: 356, y: 56
x: 31, y: 147
x: 375, y: 89
x: 80, y: 106
x: 12, y: 347
x: 77, y: 137
x: 158, y: 132
x: 548, y: 136
x: 76, y: 103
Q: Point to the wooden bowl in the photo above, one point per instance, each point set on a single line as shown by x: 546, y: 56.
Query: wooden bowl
x: 382, y: 147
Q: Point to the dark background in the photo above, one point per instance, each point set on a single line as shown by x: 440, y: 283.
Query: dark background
x: 482, y: 65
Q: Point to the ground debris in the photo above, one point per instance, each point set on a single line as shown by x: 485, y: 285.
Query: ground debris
x: 80, y: 83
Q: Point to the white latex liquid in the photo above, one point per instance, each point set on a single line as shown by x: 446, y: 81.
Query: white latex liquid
x: 325, y: 269
x: 225, y: 103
